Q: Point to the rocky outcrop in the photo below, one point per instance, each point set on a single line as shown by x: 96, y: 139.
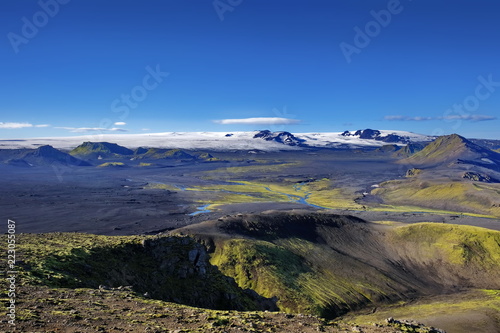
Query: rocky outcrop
x: 168, y: 268
x: 477, y: 177
x: 413, y: 172
x: 411, y: 326
x: 184, y: 263
x: 192, y: 263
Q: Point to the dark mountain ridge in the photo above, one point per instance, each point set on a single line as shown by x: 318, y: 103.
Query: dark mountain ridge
x: 377, y: 135
x: 286, y: 138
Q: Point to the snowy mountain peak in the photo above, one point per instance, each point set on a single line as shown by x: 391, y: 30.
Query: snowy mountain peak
x: 286, y: 138
x: 384, y: 136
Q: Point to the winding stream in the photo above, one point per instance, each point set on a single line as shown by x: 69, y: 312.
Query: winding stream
x: 301, y: 198
x: 291, y: 197
x: 201, y: 210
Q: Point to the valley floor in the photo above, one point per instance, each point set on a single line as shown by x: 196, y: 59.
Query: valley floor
x: 179, y: 198
x: 145, y: 200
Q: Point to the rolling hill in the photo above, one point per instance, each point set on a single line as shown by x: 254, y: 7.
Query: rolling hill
x: 450, y: 174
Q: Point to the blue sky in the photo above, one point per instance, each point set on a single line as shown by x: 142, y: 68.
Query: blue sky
x: 71, y: 67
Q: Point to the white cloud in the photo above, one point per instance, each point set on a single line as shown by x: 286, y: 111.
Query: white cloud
x: 15, y: 125
x: 145, y: 129
x: 476, y: 117
x: 120, y: 123
x: 258, y: 121
x: 92, y: 129
x: 20, y: 125
x: 406, y: 118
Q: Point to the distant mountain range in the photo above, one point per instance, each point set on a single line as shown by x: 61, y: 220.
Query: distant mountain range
x: 256, y: 140
x: 412, y: 149
x: 91, y: 153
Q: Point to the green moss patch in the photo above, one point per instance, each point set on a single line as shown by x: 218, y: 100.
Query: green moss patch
x: 112, y: 165
x: 458, y: 197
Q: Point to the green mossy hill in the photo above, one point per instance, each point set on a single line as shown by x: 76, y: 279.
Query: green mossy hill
x: 388, y: 149
x: 450, y: 248
x: 158, y: 154
x: 167, y: 268
x: 450, y: 148
x: 45, y: 156
x: 409, y: 149
x: 207, y: 157
x: 172, y: 154
x: 327, y: 265
x: 463, y: 312
x: 93, y: 150
x: 453, y: 196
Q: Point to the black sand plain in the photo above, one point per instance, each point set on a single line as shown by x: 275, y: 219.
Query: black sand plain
x: 122, y: 201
